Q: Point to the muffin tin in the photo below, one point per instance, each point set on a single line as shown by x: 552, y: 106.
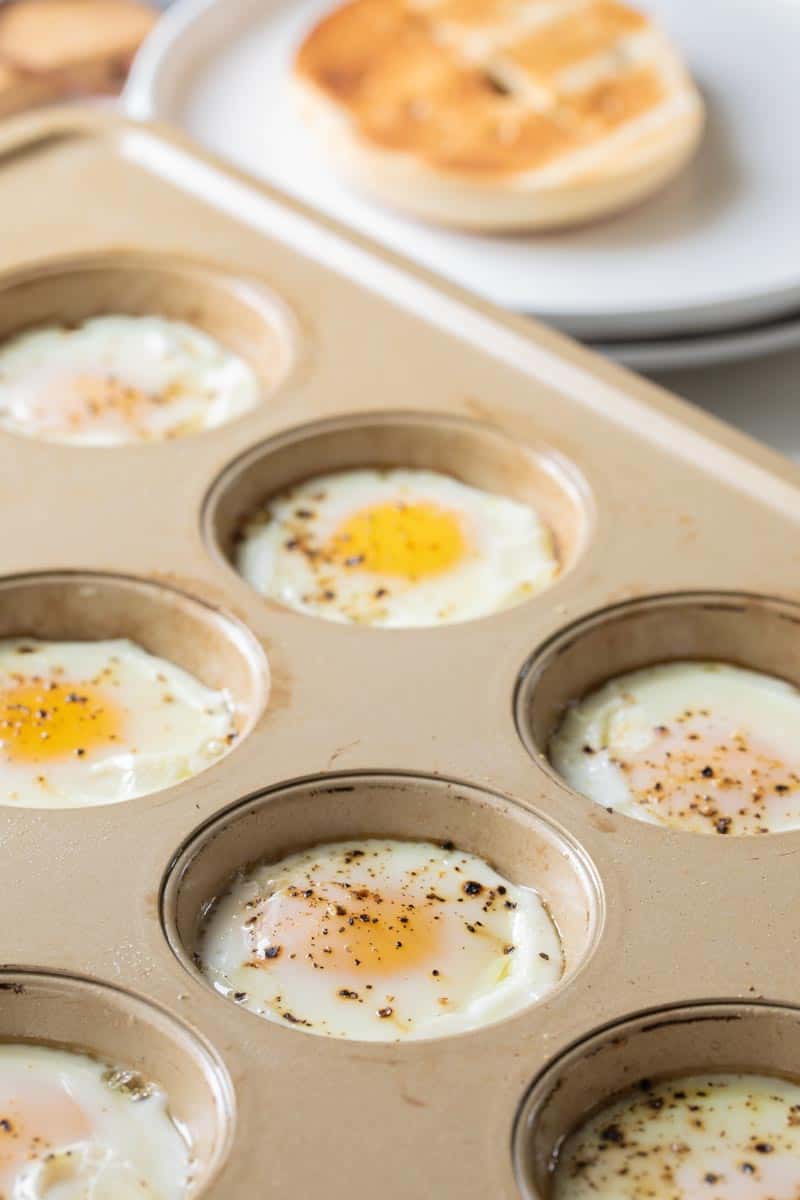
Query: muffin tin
x: 677, y: 538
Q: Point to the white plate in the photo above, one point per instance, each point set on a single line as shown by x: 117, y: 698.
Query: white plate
x: 720, y: 246
x: 706, y: 350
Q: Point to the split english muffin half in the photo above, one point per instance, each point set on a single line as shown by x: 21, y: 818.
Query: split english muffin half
x: 498, y: 115
x: 53, y: 49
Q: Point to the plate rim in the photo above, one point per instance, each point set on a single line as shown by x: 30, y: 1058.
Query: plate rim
x: 738, y: 344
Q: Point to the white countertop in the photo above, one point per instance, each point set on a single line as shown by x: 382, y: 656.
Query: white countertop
x: 761, y: 397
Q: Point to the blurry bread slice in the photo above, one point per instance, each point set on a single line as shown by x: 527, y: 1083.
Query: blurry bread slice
x: 498, y: 114
x: 51, y: 49
x: 19, y: 91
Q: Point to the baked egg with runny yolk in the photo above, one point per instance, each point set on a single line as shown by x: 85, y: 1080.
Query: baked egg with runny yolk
x: 84, y: 723
x: 74, y: 1128
x: 380, y: 940
x: 396, y: 548
x: 111, y: 380
x: 697, y: 1137
x: 705, y: 747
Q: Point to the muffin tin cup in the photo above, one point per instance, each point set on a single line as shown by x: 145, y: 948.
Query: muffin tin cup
x: 759, y: 633
x: 659, y: 515
x: 75, y: 606
x: 759, y: 1039
x: 244, y: 317
x: 118, y: 1028
x: 520, y: 845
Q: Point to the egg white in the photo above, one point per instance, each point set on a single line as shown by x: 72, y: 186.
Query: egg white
x: 510, y: 554
x: 685, y: 1138
x: 623, y: 717
x: 133, y: 1150
x: 191, y: 382
x: 510, y: 957
x: 173, y: 725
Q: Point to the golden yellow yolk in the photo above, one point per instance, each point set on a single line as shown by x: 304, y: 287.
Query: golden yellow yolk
x: 331, y: 925
x: 698, y: 774
x: 34, y: 1121
x: 41, y: 721
x: 413, y: 541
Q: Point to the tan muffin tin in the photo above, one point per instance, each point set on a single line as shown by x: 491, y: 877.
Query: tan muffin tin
x: 677, y: 537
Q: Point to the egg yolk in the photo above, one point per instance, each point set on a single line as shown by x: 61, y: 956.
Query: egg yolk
x: 699, y: 774
x: 347, y: 927
x: 41, y: 720
x: 35, y: 1121
x: 412, y: 541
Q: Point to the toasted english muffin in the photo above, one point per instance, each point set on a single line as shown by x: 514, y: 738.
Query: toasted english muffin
x: 498, y: 114
x: 50, y: 49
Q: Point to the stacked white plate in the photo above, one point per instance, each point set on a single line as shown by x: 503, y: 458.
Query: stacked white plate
x: 706, y: 272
